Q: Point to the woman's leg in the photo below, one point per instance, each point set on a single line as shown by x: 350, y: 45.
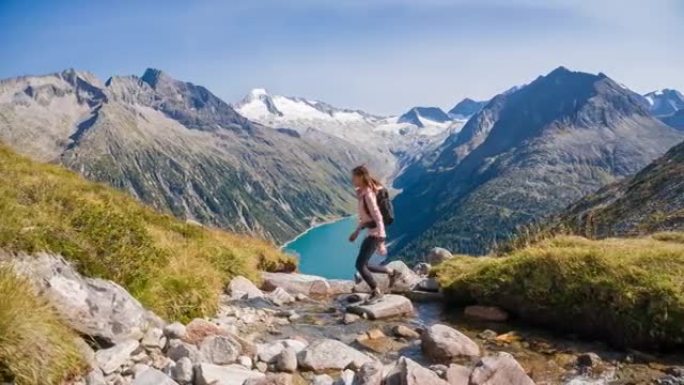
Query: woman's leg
x: 365, y: 253
x: 375, y: 268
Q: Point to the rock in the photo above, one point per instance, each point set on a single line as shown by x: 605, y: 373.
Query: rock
x: 242, y: 288
x: 408, y: 372
x: 486, y: 313
x: 588, y: 360
x: 440, y: 369
x: 154, y: 339
x: 375, y: 334
x: 487, y: 335
x: 280, y: 297
x: 390, y: 305
x: 271, y: 379
x: 422, y: 269
x: 350, y: 318
x: 111, y: 359
x: 428, y: 284
x: 219, y: 350
x: 261, y: 366
x: 137, y: 369
x: 287, y: 360
x: 438, y: 255
x: 327, y: 354
x: 91, y: 306
x: 424, y: 296
x: 301, y: 297
x: 268, y: 352
x: 322, y: 379
x: 458, y: 375
x: 208, y: 374
x: 347, y: 378
x: 309, y: 285
x: 178, y: 349
x: 340, y: 286
x: 294, y: 317
x: 405, y: 332
x: 174, y: 330
x: 406, y: 281
x: 371, y: 373
x: 86, y: 352
x: 499, y: 369
x: 245, y: 361
x: 153, y: 376
x: 95, y: 377
x: 199, y: 329
x: 182, y: 372
x: 441, y: 342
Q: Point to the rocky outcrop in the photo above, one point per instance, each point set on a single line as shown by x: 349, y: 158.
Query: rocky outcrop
x: 389, y: 305
x: 406, y: 280
x: 443, y: 343
x: 309, y: 285
x: 242, y: 288
x: 327, y: 354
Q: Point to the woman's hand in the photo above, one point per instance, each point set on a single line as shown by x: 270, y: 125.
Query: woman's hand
x: 354, y: 235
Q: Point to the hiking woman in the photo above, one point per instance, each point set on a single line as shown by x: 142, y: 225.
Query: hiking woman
x: 370, y: 217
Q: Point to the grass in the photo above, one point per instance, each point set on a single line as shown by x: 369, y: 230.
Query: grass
x: 35, y: 347
x: 629, y: 292
x: 175, y: 268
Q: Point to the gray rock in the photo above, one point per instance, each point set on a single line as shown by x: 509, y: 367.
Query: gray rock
x: 219, y: 350
x: 408, y: 372
x: 327, y: 354
x: 390, y: 305
x: 341, y: 286
x: 441, y: 342
x: 350, y: 318
x: 268, y: 352
x: 406, y: 281
x: 486, y: 313
x: 92, y: 307
x: 458, y: 375
x: 153, y: 376
x: 86, y: 351
x: 175, y: 330
x: 405, y: 332
x: 438, y: 255
x: 440, y: 369
x: 428, y: 284
x: 178, y: 349
x: 111, y: 359
x: 208, y: 374
x: 287, y: 360
x: 95, y: 377
x: 280, y: 297
x: 271, y: 379
x: 138, y: 369
x: 154, y: 339
x: 245, y: 361
x: 346, y: 378
x: 499, y: 369
x: 422, y: 269
x: 309, y: 285
x: 322, y: 379
x: 242, y: 288
x: 370, y: 373
x: 183, y: 372
x: 261, y: 367
x: 424, y: 296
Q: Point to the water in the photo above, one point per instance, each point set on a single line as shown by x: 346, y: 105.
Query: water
x: 325, y: 250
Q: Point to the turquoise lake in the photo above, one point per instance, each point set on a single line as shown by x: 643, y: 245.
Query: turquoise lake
x: 325, y: 250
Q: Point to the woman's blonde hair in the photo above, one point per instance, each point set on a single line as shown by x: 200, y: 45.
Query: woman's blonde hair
x: 367, y: 179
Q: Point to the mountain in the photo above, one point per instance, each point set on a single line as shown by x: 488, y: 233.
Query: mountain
x: 665, y: 102
x: 179, y: 148
x: 424, y: 116
x: 675, y: 120
x: 466, y: 108
x: 527, y: 155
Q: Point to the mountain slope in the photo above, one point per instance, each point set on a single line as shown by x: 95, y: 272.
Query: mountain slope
x: 466, y: 108
x: 525, y: 156
x: 178, y: 147
x: 665, y: 102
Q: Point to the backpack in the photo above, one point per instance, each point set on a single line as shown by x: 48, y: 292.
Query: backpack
x: 384, y: 204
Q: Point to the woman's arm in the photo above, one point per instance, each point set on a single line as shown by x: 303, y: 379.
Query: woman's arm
x: 372, y: 204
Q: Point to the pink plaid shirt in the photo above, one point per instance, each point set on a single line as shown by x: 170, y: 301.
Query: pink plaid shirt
x: 375, y: 215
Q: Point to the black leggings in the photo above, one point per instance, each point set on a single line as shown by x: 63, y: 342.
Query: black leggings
x: 368, y: 247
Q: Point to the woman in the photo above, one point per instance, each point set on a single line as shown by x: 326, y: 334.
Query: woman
x: 370, y: 217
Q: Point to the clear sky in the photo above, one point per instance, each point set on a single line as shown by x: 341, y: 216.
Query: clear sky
x: 382, y: 56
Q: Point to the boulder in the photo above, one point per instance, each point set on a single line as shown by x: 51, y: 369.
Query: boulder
x: 428, y: 284
x: 499, y: 369
x: 486, y: 313
x: 322, y: 379
x: 390, y: 305
x: 406, y: 332
x: 440, y: 342
x: 327, y: 354
x: 153, y: 376
x: 287, y: 360
x: 350, y: 318
x: 245, y: 361
x: 425, y: 296
x: 111, y: 359
x: 346, y: 378
x: 271, y: 379
x: 341, y: 286
x: 182, y: 371
x: 95, y: 377
x: 209, y: 374
x: 268, y: 352
x: 198, y: 329
x: 371, y: 373
x: 178, y: 349
x: 154, y: 339
x: 409, y: 372
x: 458, y: 375
x: 422, y: 269
x: 174, y: 330
x: 91, y: 306
x: 438, y: 255
x: 309, y: 285
x: 242, y: 288
x: 280, y: 297
x: 406, y: 281
x: 219, y: 350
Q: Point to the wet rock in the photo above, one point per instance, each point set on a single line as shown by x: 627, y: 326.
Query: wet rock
x: 499, y: 369
x: 486, y: 313
x: 153, y: 376
x: 242, y: 288
x: 174, y: 330
x: 280, y: 297
x: 182, y: 371
x: 406, y: 332
x: 271, y: 379
x: 350, y: 318
x: 371, y: 373
x: 409, y: 372
x: 428, y: 284
x: 588, y: 360
x: 178, y: 349
x: 268, y: 352
x: 309, y: 285
x: 406, y: 281
x: 154, y: 339
x: 441, y: 342
x: 422, y: 269
x: 219, y: 350
x: 347, y: 378
x: 327, y: 354
x: 424, y: 296
x: 341, y: 286
x: 287, y: 360
x: 438, y: 255
x: 111, y: 359
x: 390, y: 305
x: 458, y: 375
x: 91, y: 306
x: 209, y: 374
x: 322, y: 379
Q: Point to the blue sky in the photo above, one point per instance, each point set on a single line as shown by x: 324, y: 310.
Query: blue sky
x: 382, y: 56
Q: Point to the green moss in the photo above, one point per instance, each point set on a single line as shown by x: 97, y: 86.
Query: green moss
x: 629, y: 292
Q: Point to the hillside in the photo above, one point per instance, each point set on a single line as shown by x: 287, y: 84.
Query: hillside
x: 525, y: 156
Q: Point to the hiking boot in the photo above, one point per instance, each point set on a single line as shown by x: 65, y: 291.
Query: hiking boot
x: 375, y: 296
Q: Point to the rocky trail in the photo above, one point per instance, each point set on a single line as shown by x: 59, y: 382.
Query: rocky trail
x: 299, y: 329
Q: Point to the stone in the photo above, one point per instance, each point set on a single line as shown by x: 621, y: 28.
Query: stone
x: 346, y: 378
x: 301, y: 297
x: 182, y: 371
x: 198, y: 329
x: 350, y: 318
x: 242, y: 288
x: 91, y: 306
x: 409, y: 372
x: 588, y: 360
x: 429, y: 285
x: 280, y: 297
x: 440, y: 369
x: 499, y: 369
x: 309, y: 285
x: 406, y: 281
x: 261, y: 366
x: 95, y: 377
x: 390, y: 305
x: 406, y: 332
x: 322, y: 379
x: 487, y: 335
x: 271, y: 379
x: 422, y: 269
x: 268, y: 352
x: 86, y: 352
x: 154, y: 339
x: 178, y: 349
x: 245, y: 361
x: 438, y: 255
x: 440, y: 342
x: 375, y: 334
x: 111, y: 359
x: 458, y: 375
x: 371, y: 373
x: 340, y: 286
x: 287, y: 360
x: 219, y: 350
x: 486, y: 313
x: 425, y: 296
x: 153, y: 376
x: 209, y: 374
x: 175, y: 330
x: 327, y: 354
x: 137, y: 369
